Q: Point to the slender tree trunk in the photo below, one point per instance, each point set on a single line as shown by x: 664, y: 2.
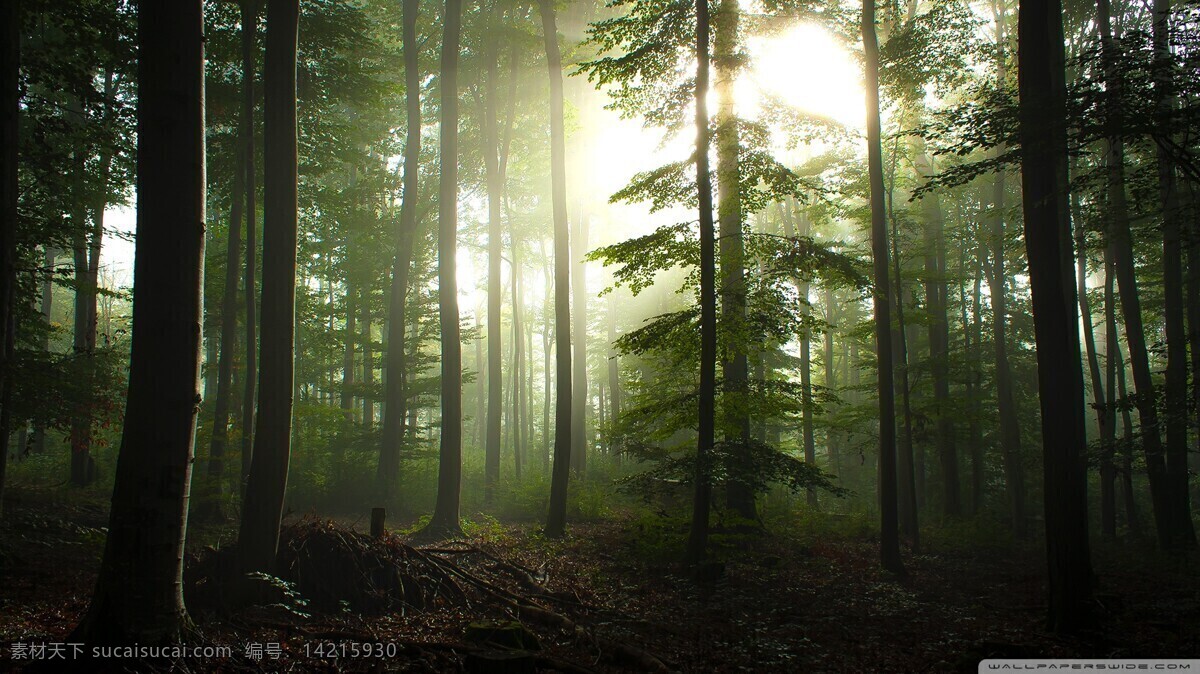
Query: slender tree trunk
x: 347, y: 393
x: 1132, y: 520
x: 495, y: 290
x: 579, y: 377
x: 445, y: 519
x: 889, y: 541
x: 1108, y: 429
x: 138, y: 594
x: 1193, y: 308
x: 734, y: 362
x: 1060, y: 377
x: 262, y: 508
x: 614, y: 372
x: 1182, y: 534
x: 82, y: 464
x: 395, y: 375
x: 368, y: 368
x: 1099, y: 402
x: 38, y: 443
x: 557, y: 520
x: 831, y: 317
x: 908, y: 511
x: 10, y: 67
x: 518, y: 367
x: 706, y: 437
x: 547, y: 338
x: 229, y: 307
x: 939, y: 349
x: 973, y: 334
x: 249, y: 10
x: 1119, y: 232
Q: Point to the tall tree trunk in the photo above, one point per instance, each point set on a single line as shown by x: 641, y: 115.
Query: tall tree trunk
x: 706, y: 436
x: 10, y: 68
x: 1006, y: 404
x: 262, y: 508
x: 249, y: 10
x: 1060, y: 377
x: 939, y: 348
x: 518, y: 362
x: 1132, y: 520
x: 734, y: 362
x: 1182, y: 534
x: 348, y: 361
x: 831, y: 317
x: 556, y: 521
x: 395, y: 375
x: 1099, y: 401
x: 229, y: 306
x: 368, y: 368
x: 83, y: 471
x: 1108, y: 428
x: 579, y: 376
x: 1193, y: 307
x: 908, y: 511
x: 973, y: 334
x: 1119, y: 231
x: 547, y: 337
x: 445, y: 519
x: 137, y: 596
x: 889, y: 539
x: 796, y: 224
x: 614, y: 372
x: 495, y: 290
x: 38, y: 443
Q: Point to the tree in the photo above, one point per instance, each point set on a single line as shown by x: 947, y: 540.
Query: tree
x: 394, y: 394
x: 220, y: 429
x: 262, y: 507
x: 495, y: 186
x: 706, y: 435
x: 138, y: 593
x: 1181, y: 533
x: 889, y: 541
x: 556, y: 521
x: 9, y: 189
x: 735, y: 363
x: 445, y: 511
x: 1048, y: 246
x: 249, y: 48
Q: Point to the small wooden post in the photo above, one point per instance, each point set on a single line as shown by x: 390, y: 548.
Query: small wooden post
x: 377, y: 517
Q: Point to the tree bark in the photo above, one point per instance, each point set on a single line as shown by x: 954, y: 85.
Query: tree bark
x: 138, y: 594
x: 262, y: 507
x: 1060, y: 377
x: 557, y: 519
x: 10, y: 67
x: 495, y: 290
x: 889, y: 538
x: 395, y: 375
x: 229, y: 304
x: 249, y: 9
x: 579, y: 376
x: 1182, y: 534
x: 1146, y: 395
x: 445, y: 519
x: 702, y: 479
x: 734, y: 362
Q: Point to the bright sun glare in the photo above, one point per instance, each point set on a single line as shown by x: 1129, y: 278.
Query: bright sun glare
x: 807, y: 68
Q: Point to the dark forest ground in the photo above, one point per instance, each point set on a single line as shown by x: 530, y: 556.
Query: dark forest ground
x: 815, y: 603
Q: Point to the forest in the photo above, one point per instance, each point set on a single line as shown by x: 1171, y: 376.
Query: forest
x: 599, y: 335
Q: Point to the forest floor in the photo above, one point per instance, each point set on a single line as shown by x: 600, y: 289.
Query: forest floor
x: 810, y: 602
